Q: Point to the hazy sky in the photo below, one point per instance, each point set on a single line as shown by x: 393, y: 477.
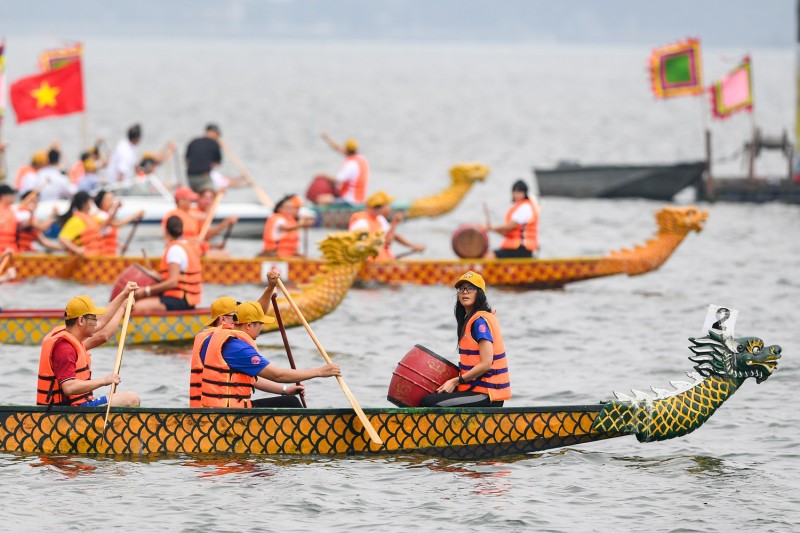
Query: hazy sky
x: 716, y: 22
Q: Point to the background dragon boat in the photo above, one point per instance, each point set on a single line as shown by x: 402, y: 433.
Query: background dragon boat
x: 722, y: 364
x: 462, y: 177
x: 674, y: 224
x: 343, y: 251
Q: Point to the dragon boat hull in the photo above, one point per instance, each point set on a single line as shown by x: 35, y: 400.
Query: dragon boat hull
x: 674, y: 225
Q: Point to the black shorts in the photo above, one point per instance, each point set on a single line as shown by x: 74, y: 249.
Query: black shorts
x: 289, y: 401
x: 458, y: 399
x: 505, y: 253
x: 175, y: 304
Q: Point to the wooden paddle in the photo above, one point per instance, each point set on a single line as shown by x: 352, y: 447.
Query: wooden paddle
x: 210, y: 217
x: 262, y: 196
x: 130, y: 236
x: 285, y: 341
x: 406, y: 254
x: 226, y: 236
x: 352, y: 399
x: 6, y: 259
x: 486, y: 213
x: 118, y: 363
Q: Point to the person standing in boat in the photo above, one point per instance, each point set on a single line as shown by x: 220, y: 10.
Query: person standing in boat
x: 182, y: 274
x: 281, y: 236
x: 520, y: 228
x: 122, y: 163
x: 233, y: 367
x: 350, y: 183
x: 483, y: 379
x: 65, y: 365
x: 203, y: 155
x: 379, y: 206
x: 108, y: 206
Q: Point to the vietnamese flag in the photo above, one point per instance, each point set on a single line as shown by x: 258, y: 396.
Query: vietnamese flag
x: 54, y: 93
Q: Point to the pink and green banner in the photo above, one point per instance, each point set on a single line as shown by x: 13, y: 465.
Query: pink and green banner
x: 734, y: 92
x: 676, y: 69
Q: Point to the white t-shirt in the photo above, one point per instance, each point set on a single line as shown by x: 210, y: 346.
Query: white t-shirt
x: 122, y: 161
x: 219, y: 180
x: 349, y: 173
x: 176, y: 254
x: 276, y: 229
x: 523, y: 214
x: 57, y: 185
x: 363, y: 224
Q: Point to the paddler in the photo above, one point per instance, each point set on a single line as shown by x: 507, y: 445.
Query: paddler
x: 30, y: 229
x: 379, y: 206
x: 65, y: 365
x: 350, y: 183
x: 8, y: 219
x: 80, y: 231
x: 182, y: 273
x: 203, y: 210
x: 281, y: 238
x: 520, y: 228
x: 223, y: 315
x: 483, y: 378
x: 108, y: 206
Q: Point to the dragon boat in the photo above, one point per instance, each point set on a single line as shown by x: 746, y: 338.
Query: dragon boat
x: 343, y: 252
x: 722, y: 364
x: 674, y: 224
x: 462, y: 177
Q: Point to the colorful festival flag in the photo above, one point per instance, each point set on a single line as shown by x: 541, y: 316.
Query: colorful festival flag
x: 734, y: 92
x: 50, y: 60
x: 675, y: 70
x: 55, y: 93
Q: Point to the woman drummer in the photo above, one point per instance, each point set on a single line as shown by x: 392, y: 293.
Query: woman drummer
x: 483, y: 379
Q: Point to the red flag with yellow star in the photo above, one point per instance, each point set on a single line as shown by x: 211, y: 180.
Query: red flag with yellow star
x: 54, y: 93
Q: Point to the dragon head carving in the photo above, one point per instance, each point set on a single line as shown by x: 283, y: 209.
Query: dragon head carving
x: 350, y: 247
x: 681, y: 220
x: 736, y: 358
x: 468, y: 173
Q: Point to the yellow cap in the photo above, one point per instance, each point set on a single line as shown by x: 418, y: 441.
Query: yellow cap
x: 39, y: 158
x: 90, y: 165
x: 222, y: 306
x: 247, y: 312
x: 80, y: 306
x: 473, y: 278
x: 351, y: 145
x: 378, y: 199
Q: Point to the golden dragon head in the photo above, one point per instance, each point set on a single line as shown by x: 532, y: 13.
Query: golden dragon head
x: 350, y: 247
x: 681, y: 220
x: 468, y: 173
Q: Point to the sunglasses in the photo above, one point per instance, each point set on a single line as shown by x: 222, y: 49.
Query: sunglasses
x: 466, y: 289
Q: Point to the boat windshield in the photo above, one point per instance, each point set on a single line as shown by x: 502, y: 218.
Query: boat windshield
x: 149, y: 185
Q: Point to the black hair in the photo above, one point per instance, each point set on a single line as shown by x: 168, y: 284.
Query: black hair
x: 134, y: 133
x: 98, y: 198
x: 213, y: 127
x: 481, y: 304
x: 283, y: 201
x: 53, y: 156
x: 174, y: 226
x: 79, y: 201
x: 69, y: 322
x: 520, y: 186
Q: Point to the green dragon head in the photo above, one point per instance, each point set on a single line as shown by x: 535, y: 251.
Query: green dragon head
x: 736, y: 358
x: 350, y: 247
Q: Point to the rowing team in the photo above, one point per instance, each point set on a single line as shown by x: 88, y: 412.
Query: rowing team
x: 226, y: 366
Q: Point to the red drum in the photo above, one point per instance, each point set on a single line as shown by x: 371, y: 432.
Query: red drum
x: 470, y: 241
x: 418, y: 374
x: 319, y: 186
x: 138, y: 273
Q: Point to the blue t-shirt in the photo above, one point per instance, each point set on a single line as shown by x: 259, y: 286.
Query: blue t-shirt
x: 480, y: 330
x: 239, y: 355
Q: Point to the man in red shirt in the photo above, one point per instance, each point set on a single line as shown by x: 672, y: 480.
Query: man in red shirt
x: 65, y: 365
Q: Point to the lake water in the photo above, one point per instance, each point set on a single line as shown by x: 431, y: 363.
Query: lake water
x: 416, y: 110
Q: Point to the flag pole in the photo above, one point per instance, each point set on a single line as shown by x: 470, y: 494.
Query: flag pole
x: 85, y: 128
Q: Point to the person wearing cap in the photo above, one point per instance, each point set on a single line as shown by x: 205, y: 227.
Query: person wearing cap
x: 203, y: 155
x: 351, y: 181
x: 65, y: 365
x: 223, y: 315
x: 280, y: 237
x: 184, y: 198
x: 520, y: 228
x: 182, y: 274
x: 233, y: 367
x: 8, y: 219
x: 27, y: 174
x: 374, y: 220
x: 51, y: 183
x: 122, y: 162
x: 483, y: 379
x: 90, y: 180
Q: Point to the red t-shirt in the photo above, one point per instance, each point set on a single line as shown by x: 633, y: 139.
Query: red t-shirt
x: 64, y: 359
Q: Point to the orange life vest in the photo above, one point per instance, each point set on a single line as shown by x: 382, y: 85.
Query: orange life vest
x: 191, y: 225
x: 48, y: 390
x: 375, y: 226
x: 196, y: 374
x: 23, y: 171
x: 287, y: 243
x: 357, y: 187
x: 496, y: 381
x: 109, y: 239
x: 89, y: 239
x: 525, y: 235
x: 77, y: 172
x: 222, y: 386
x: 8, y: 230
x: 26, y: 235
x: 190, y: 281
